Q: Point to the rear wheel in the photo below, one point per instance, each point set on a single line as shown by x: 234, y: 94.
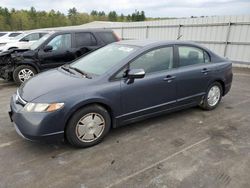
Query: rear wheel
x: 23, y: 73
x: 88, y: 126
x: 212, y: 97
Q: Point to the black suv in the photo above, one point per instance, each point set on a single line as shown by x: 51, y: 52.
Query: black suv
x: 52, y: 50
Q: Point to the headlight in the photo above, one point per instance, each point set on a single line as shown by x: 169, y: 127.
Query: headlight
x: 42, y: 107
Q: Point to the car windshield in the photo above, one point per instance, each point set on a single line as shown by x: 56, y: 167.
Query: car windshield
x: 19, y: 36
x: 36, y: 44
x: 100, y: 61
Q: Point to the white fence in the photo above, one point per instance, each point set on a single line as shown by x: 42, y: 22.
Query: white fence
x: 228, y: 36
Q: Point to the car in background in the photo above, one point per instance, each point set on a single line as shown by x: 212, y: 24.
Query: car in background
x: 9, y: 35
x: 116, y: 85
x: 52, y: 50
x: 22, y: 41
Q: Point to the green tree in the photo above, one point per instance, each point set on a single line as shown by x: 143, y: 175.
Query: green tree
x: 72, y: 15
x: 112, y: 16
x: 12, y: 19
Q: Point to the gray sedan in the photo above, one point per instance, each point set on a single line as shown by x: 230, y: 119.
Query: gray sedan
x: 116, y: 85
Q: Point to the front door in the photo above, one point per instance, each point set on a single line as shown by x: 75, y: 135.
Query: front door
x: 60, y: 54
x: 156, y: 91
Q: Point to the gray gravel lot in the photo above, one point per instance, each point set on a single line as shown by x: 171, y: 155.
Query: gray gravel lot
x: 190, y: 148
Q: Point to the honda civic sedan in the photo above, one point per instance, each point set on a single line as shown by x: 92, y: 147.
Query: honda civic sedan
x: 116, y: 85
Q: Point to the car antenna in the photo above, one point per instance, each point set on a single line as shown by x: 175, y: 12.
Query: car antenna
x: 179, y: 37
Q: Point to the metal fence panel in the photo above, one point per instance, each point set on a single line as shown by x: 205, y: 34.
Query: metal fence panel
x: 228, y: 36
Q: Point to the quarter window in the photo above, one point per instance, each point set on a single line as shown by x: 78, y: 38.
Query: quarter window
x: 61, y: 42
x: 85, y: 39
x: 191, y: 56
x: 156, y: 60
x: 108, y: 37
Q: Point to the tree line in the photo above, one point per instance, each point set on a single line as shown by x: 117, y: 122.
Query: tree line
x: 12, y: 19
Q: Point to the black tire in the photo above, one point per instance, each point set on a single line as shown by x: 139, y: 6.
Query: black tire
x: 205, y: 104
x: 12, y: 48
x: 71, y: 128
x: 18, y: 69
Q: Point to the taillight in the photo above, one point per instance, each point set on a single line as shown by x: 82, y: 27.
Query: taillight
x: 117, y: 37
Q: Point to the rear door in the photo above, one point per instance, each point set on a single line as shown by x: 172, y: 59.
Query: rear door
x: 194, y: 73
x: 60, y: 54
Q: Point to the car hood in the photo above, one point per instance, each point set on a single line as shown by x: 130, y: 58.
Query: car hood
x: 5, y: 40
x: 14, y: 52
x: 29, y: 53
x: 55, y: 81
x: 8, y: 41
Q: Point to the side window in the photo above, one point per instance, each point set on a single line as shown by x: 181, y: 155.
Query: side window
x: 206, y: 57
x: 2, y: 34
x: 107, y: 37
x: 32, y: 37
x: 85, y: 39
x: 156, y: 60
x: 60, y: 42
x: 121, y: 73
x: 14, y: 34
x: 191, y: 55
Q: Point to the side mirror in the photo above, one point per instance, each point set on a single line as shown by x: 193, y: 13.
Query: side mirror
x: 135, y: 74
x: 47, y: 48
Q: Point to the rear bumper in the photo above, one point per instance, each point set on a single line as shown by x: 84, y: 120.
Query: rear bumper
x: 36, y: 126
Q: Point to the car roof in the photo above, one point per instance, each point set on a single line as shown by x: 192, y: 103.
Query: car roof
x: 82, y: 30
x: 149, y: 43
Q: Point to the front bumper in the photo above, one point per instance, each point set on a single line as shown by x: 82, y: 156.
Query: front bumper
x: 45, y: 126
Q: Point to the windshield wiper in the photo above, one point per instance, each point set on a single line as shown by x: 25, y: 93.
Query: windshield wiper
x: 81, y: 72
x: 66, y: 68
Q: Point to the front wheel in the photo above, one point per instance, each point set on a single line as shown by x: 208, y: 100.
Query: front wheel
x: 212, y: 97
x: 23, y: 73
x: 88, y: 126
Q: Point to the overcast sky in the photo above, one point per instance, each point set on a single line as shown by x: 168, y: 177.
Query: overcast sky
x: 152, y: 8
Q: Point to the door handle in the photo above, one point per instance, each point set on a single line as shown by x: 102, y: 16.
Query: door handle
x: 204, y: 71
x: 169, y: 78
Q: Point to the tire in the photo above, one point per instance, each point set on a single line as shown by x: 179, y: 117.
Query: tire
x: 24, y: 71
x: 208, y: 103
x: 12, y: 48
x: 85, y: 127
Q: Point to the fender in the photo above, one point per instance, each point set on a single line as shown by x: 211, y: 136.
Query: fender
x: 100, y: 101
x: 30, y: 63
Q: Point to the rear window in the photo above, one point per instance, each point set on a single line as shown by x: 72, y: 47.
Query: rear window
x: 2, y: 34
x: 14, y: 34
x: 108, y: 37
x: 85, y: 39
x: 191, y: 55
